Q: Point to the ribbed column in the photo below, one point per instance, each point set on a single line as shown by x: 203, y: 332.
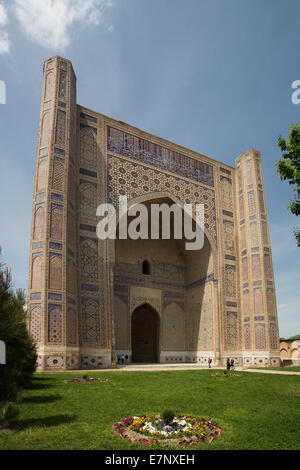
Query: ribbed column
x: 52, y: 290
x: 259, y: 314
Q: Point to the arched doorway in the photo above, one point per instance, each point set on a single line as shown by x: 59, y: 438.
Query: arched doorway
x: 145, y: 325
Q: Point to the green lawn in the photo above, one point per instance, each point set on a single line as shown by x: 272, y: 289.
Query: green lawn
x: 254, y: 411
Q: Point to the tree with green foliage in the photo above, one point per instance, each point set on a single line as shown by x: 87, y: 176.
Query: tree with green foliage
x: 288, y: 168
x: 26, y: 349
x: 20, y: 350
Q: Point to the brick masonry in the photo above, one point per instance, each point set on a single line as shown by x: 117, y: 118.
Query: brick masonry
x: 219, y: 302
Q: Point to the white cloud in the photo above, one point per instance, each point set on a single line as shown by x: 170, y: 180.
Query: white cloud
x: 49, y: 22
x: 111, y: 28
x: 4, y: 39
x: 3, y: 16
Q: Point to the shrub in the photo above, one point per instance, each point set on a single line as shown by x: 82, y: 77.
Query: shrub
x: 168, y: 416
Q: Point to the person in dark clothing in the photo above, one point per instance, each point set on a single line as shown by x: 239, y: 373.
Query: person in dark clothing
x: 228, y: 364
x: 232, y: 364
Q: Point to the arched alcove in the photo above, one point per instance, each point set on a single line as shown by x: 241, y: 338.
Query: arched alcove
x: 181, y: 282
x: 145, y: 333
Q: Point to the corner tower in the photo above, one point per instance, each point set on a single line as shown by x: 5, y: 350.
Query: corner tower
x: 52, y: 289
x: 257, y: 288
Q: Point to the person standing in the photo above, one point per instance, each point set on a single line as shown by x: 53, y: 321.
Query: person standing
x: 228, y: 364
x: 209, y: 362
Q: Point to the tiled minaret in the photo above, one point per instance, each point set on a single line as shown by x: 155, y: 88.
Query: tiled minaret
x: 52, y: 290
x: 257, y: 289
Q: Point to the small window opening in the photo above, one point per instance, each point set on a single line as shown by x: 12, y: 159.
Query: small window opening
x: 146, y: 268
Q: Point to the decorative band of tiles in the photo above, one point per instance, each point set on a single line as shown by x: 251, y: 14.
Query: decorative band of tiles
x: 55, y: 297
x: 55, y: 246
x: 230, y: 257
x: 88, y: 228
x: 37, y: 246
x: 224, y: 170
x: 88, y: 117
x: 121, y: 288
x: 176, y: 295
x: 147, y: 152
x: 59, y: 151
x: 162, y: 285
x: 40, y: 197
x: 89, y: 288
x: 231, y: 304
x: 36, y: 296
x: 57, y: 197
x: 93, y: 174
x: 229, y: 214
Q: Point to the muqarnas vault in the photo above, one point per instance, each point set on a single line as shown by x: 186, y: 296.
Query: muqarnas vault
x: 91, y: 301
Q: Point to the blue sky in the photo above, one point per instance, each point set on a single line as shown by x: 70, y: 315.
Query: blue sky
x: 212, y: 75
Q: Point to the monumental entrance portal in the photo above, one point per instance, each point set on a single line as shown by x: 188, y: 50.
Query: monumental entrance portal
x: 90, y: 301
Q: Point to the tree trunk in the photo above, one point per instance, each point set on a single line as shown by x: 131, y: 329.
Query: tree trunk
x: 21, y: 396
x: 5, y: 410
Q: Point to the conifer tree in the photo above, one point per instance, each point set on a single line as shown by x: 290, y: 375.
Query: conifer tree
x: 20, y: 350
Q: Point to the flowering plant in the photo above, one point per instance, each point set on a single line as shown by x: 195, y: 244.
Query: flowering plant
x: 85, y: 380
x: 221, y: 374
x: 182, y: 430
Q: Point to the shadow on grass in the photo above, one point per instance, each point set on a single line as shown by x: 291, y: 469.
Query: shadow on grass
x: 38, y: 386
x: 42, y: 399
x: 22, y: 424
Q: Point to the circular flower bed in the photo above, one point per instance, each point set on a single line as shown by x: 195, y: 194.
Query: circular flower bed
x: 221, y: 374
x: 87, y: 380
x: 181, y: 430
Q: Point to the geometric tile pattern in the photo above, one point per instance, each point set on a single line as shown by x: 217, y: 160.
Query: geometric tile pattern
x: 36, y: 323
x: 90, y: 321
x: 231, y: 331
x: 54, y: 324
x: 89, y: 259
x: 133, y: 180
x: 260, y: 336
